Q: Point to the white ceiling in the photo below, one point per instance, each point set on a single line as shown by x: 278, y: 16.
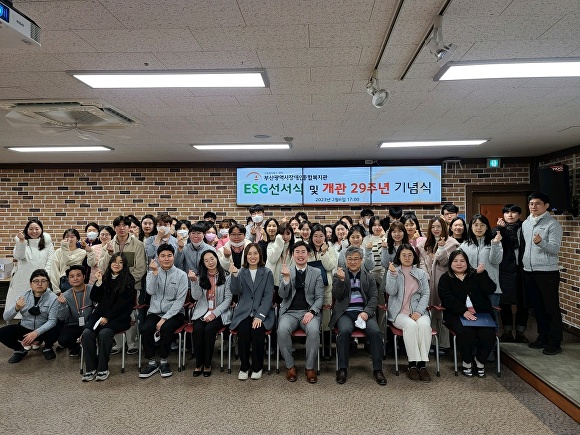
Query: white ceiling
x: 318, y: 56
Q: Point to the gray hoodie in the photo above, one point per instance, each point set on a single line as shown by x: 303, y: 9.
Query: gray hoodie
x: 168, y: 291
x: 68, y: 312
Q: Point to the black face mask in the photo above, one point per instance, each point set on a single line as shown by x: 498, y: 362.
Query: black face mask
x: 35, y: 311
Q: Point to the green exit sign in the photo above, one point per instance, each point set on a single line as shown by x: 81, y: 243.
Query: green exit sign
x: 493, y: 163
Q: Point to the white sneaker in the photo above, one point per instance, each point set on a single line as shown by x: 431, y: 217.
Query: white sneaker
x: 257, y: 375
x: 101, y: 376
x: 27, y: 348
x: 243, y: 376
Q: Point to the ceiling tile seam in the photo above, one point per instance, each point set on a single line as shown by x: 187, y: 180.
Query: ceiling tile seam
x: 112, y: 14
x: 241, y: 13
x: 84, y: 40
x: 561, y: 18
x: 506, y: 8
x: 194, y: 38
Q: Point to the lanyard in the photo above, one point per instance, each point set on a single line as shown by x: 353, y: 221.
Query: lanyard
x: 79, y: 308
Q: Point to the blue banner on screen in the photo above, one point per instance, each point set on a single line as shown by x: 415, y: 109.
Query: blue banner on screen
x: 336, y: 186
x: 406, y: 185
x: 269, y: 186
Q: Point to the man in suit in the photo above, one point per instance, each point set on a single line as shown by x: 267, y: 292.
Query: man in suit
x: 355, y: 295
x: 302, y: 293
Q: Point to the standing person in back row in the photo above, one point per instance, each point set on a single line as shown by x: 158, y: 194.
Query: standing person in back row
x: 543, y: 236
x: 134, y: 252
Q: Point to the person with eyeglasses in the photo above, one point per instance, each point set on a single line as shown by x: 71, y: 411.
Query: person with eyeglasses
x: 39, y: 310
x: 355, y: 293
x: 542, y: 235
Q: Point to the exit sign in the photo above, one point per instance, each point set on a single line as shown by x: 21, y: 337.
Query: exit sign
x: 493, y: 163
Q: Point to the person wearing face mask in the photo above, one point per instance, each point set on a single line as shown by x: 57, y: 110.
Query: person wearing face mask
x: 182, y: 230
x: 92, y: 239
x: 94, y: 252
x: 210, y: 217
x: 233, y: 251
x: 69, y: 253
x: 223, y: 232
x: 163, y: 236
x: 188, y: 255
x: 254, y: 229
x: 211, y: 237
x: 365, y: 216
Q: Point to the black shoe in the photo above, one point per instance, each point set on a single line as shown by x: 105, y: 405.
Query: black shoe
x: 507, y: 337
x: 467, y: 371
x: 341, y: 376
x: 537, y: 344
x: 75, y: 352
x: 379, y: 377
x: 165, y: 370
x: 552, y: 350
x: 148, y: 371
x: 17, y: 357
x: 197, y: 373
x: 48, y: 354
x: 521, y: 338
x: 481, y: 372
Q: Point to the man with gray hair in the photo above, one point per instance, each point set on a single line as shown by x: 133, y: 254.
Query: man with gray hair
x: 355, y: 295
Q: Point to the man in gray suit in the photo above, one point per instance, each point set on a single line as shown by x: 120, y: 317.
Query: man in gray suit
x: 302, y: 293
x: 355, y: 295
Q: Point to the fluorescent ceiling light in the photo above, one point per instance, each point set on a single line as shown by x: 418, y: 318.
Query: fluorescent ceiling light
x: 509, y: 69
x: 432, y: 143
x: 173, y: 79
x: 245, y: 146
x: 63, y: 149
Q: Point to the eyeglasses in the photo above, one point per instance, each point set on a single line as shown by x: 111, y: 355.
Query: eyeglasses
x: 39, y: 281
x: 353, y: 259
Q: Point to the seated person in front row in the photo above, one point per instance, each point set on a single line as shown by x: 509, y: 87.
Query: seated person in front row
x: 302, y: 293
x: 39, y: 308
x: 355, y: 295
x: 114, y: 292
x: 168, y: 287
x: 74, y: 309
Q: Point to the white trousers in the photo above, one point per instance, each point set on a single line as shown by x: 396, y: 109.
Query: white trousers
x: 416, y: 335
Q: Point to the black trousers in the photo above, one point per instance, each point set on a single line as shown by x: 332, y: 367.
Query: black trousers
x: 522, y: 310
x: 470, y: 338
x: 167, y: 332
x: 543, y: 296
x: 250, y: 338
x: 11, y: 335
x: 103, y: 339
x: 204, y: 336
x: 69, y: 334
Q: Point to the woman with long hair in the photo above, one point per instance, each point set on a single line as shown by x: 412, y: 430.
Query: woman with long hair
x: 114, y: 293
x: 408, y: 288
x: 212, y: 311
x: 484, y: 251
x: 254, y: 314
x: 464, y: 292
x: 33, y: 250
x: 434, y: 256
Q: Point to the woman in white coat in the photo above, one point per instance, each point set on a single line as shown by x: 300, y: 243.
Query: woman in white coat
x: 33, y: 250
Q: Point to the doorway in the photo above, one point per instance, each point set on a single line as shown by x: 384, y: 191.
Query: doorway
x: 489, y: 200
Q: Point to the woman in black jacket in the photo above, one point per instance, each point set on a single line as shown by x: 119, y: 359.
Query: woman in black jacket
x: 464, y: 293
x: 114, y: 293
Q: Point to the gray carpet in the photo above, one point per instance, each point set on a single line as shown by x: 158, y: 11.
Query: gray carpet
x: 48, y: 397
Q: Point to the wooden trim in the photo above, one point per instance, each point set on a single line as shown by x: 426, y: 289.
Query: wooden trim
x: 471, y: 189
x: 557, y: 398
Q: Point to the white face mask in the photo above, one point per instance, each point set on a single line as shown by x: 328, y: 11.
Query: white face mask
x: 164, y: 230
x: 258, y: 218
x: 92, y: 235
x: 367, y: 221
x: 224, y: 232
x: 182, y: 233
x: 237, y: 244
x: 196, y: 245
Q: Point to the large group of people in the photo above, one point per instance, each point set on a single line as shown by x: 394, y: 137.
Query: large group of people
x: 145, y: 278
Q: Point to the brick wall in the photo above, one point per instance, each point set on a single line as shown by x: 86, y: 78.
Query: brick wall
x: 64, y: 198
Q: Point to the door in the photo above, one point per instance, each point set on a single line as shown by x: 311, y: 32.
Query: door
x: 491, y: 204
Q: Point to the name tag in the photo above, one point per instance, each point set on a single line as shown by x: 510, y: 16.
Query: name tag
x: 81, y: 321
x: 210, y: 305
